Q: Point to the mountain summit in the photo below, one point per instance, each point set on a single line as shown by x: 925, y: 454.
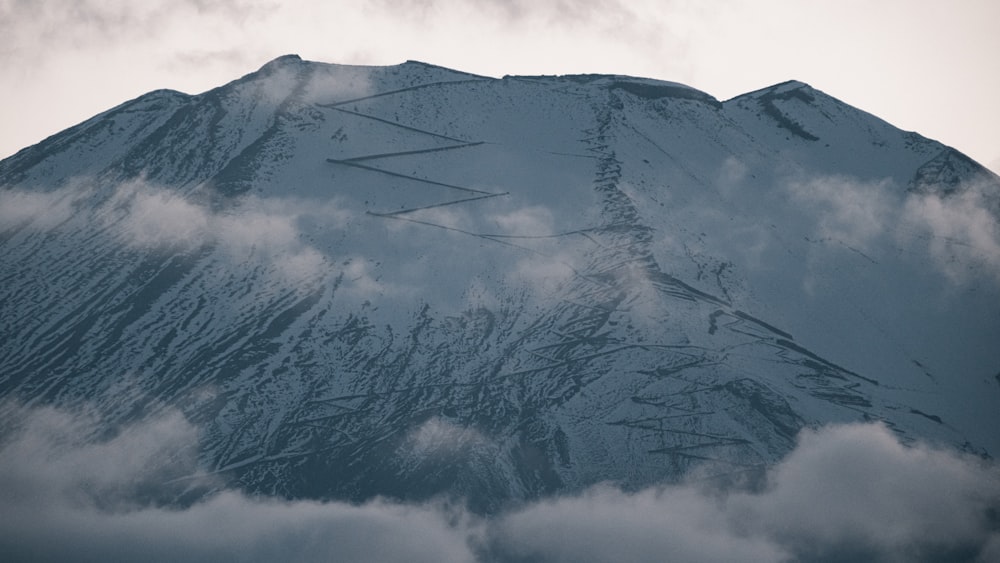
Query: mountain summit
x: 411, y: 281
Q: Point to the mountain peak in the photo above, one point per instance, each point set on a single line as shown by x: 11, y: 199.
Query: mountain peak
x: 782, y: 88
x: 407, y: 281
x: 789, y: 85
x: 279, y: 62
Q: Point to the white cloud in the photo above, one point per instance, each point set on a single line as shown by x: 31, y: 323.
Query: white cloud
x: 605, y: 524
x: 845, y: 493
x: 34, y: 210
x: 959, y: 232
x: 732, y: 173
x: 347, y: 84
x: 143, y: 216
x: 52, y: 458
x: 857, y: 489
x: 66, y: 494
x: 536, y: 220
x: 437, y: 436
x: 158, y: 218
x: 230, y: 526
x: 362, y: 282
x: 964, y: 232
x: 847, y: 209
x: 261, y: 230
x: 544, y: 273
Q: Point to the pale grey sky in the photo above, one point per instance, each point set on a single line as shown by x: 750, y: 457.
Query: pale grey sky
x: 922, y: 65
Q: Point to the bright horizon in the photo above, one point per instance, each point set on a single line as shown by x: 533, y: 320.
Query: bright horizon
x: 920, y: 65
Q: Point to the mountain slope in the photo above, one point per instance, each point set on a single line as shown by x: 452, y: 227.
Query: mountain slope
x: 409, y: 280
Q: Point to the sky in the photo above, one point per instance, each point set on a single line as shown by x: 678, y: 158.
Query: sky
x: 922, y: 65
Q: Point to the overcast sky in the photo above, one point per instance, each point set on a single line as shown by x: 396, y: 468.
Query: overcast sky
x: 923, y: 65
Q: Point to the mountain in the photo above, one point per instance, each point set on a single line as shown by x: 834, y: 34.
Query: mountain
x: 411, y: 281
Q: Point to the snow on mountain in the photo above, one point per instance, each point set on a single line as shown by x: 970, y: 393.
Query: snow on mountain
x: 408, y: 280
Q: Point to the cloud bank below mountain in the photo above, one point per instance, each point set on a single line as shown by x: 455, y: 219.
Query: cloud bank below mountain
x: 847, y: 492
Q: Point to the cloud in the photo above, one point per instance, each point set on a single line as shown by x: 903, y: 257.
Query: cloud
x: 300, y: 241
x: 849, y: 492
x: 346, y: 84
x: 231, y: 526
x: 536, y: 220
x: 605, y: 524
x: 363, y: 283
x: 147, y: 217
x: 67, y: 494
x: 439, y: 437
x: 848, y: 210
x: 51, y: 458
x: 257, y: 230
x: 856, y: 490
x: 71, y: 490
x: 34, y: 210
x: 732, y: 174
x: 545, y: 274
x: 959, y: 231
x: 153, y: 218
x: 964, y: 232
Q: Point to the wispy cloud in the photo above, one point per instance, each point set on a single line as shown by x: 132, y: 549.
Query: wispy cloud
x: 257, y: 229
x: 35, y: 210
x: 958, y: 232
x: 535, y: 220
x: 142, y: 216
x: 545, y: 273
x: 963, y: 232
x: 846, y: 209
x: 438, y: 437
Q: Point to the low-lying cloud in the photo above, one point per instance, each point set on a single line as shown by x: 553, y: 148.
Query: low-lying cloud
x: 296, y: 242
x: 42, y: 210
x: 958, y: 231
x: 67, y: 496
x: 150, y: 218
x: 962, y: 231
x: 847, y: 209
x: 845, y: 493
x: 848, y: 492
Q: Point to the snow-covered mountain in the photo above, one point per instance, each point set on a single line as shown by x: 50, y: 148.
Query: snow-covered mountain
x: 409, y: 281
